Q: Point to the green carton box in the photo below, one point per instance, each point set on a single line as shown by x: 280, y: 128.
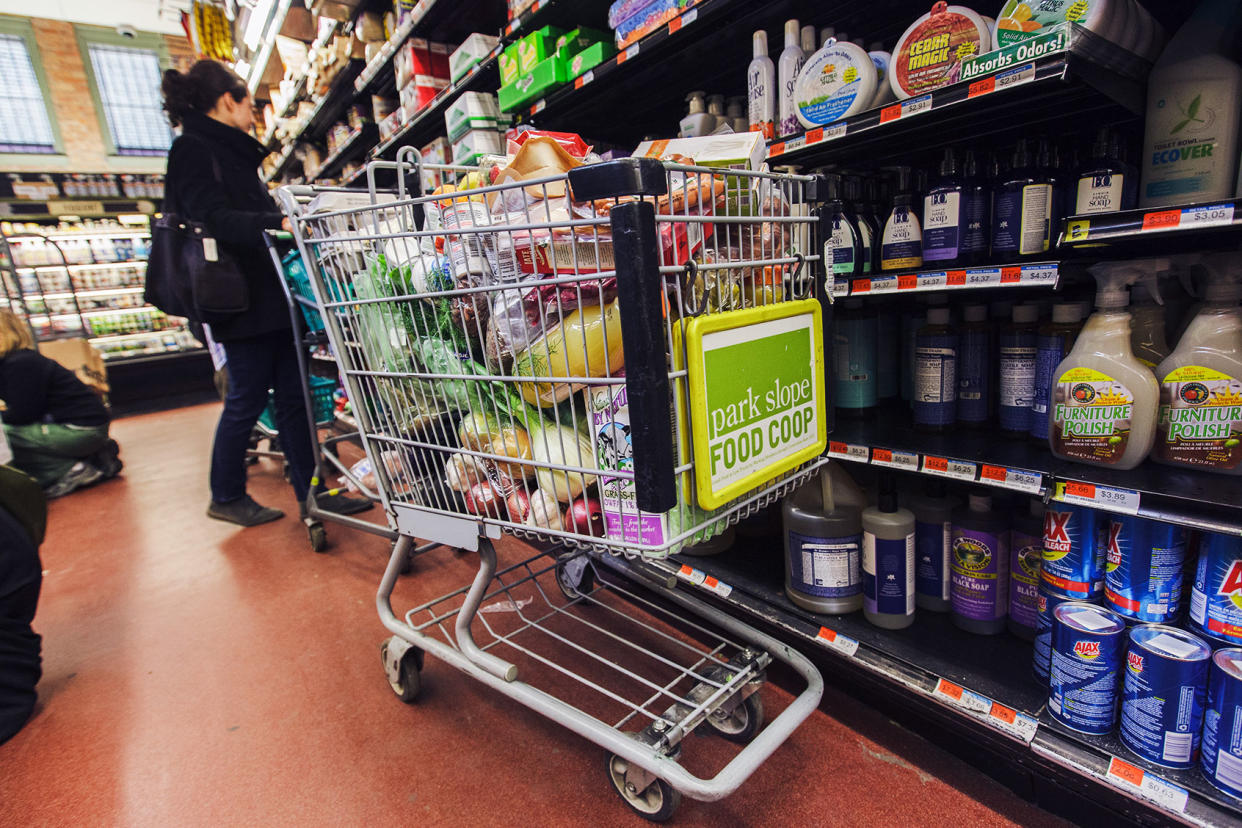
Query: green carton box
x: 588, y: 58
x: 508, y: 63
x: 546, y: 76
x: 580, y: 38
x: 536, y: 47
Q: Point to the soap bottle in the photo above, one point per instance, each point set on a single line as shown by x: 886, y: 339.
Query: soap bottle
x: 854, y: 359
x: 808, y: 41
x: 888, y: 560
x: 1021, y: 209
x: 1052, y: 343
x: 736, y: 113
x: 943, y: 222
x: 1017, y: 370
x: 857, y: 211
x: 1105, y: 184
x: 976, y: 213
x: 1104, y: 401
x: 913, y: 317
x: 1190, y: 145
x: 888, y: 352
x: 761, y: 92
x: 1147, y: 317
x: 935, y: 372
x: 979, y: 590
x: 697, y: 121
x: 974, y: 367
x: 933, y: 545
x: 843, y: 248
x: 901, y: 246
x: 1049, y: 165
x: 1026, y: 551
x: 823, y: 549
x: 716, y: 108
x: 1200, y: 423
x: 876, y: 215
x: 787, y: 66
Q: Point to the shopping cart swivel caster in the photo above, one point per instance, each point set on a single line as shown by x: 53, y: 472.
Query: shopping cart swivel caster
x: 403, y: 665
x: 742, y: 723
x: 650, y: 797
x: 317, y: 534
x: 574, y: 577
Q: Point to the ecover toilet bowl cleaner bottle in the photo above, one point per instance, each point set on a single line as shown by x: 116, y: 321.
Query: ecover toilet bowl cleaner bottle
x: 1104, y: 400
x: 1200, y: 422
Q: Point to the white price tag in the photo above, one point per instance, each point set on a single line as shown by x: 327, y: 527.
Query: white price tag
x: 700, y: 578
x: 687, y: 18
x: 1099, y: 497
x: 1020, y: 480
x: 895, y: 459
x: 1039, y: 274
x: 944, y: 467
x: 916, y: 105
x: 848, y: 451
x: 979, y: 277
x: 539, y: 107
x: 833, y: 640
x: 883, y: 284
x: 961, y: 697
x: 631, y: 52
x: 928, y: 281
x: 691, y: 575
x: 1207, y: 216
x: 840, y: 288
x: 835, y: 131
x: 1148, y: 785
x: 1015, y: 76
x: 1013, y: 722
x: 585, y: 78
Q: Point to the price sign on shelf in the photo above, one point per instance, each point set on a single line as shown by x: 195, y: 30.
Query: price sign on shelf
x: 583, y: 79
x: 929, y: 281
x: 1099, y: 497
x: 1162, y: 220
x: 946, y: 467
x: 983, y: 276
x: 1018, y: 479
x: 955, y: 278
x: 1161, y: 791
x: 883, y: 284
x: 833, y: 640
x: 677, y: 24
x: 702, y: 579
x: 1038, y: 274
x: 895, y: 459
x: 848, y: 451
x: 1217, y: 215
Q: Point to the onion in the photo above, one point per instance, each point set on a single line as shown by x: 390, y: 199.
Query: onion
x: 482, y: 499
x: 585, y: 516
x: 462, y: 471
x: 519, y: 506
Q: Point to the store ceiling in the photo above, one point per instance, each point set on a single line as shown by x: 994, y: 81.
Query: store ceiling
x: 143, y: 15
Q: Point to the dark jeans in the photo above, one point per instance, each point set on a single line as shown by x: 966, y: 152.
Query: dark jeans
x: 20, y: 646
x: 255, y: 365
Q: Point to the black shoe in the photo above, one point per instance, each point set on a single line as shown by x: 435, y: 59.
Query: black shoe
x: 243, y: 511
x: 82, y: 474
x: 108, y: 460
x: 339, y: 503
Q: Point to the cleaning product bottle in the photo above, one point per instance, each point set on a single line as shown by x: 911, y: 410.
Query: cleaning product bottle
x: 1026, y: 550
x: 979, y: 590
x: 942, y: 215
x: 736, y: 113
x: 761, y: 92
x: 888, y: 560
x: 1021, y: 209
x: 823, y: 549
x: 1147, y: 317
x: 856, y: 210
x: 1052, y: 343
x: 1017, y: 370
x: 787, y: 66
x: 976, y: 213
x: 854, y: 359
x: 974, y: 367
x: 808, y: 40
x: 1190, y: 145
x: 697, y: 121
x: 933, y: 546
x: 825, y: 35
x: 843, y: 247
x: 1048, y: 162
x: 876, y: 215
x: 1200, y: 424
x: 913, y: 317
x: 716, y: 108
x: 935, y: 372
x: 901, y: 247
x: 1104, y: 401
x: 1106, y: 184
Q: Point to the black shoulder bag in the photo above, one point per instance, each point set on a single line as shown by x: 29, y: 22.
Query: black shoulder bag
x: 189, y: 274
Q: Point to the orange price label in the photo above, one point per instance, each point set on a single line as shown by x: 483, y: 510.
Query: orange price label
x: 907, y: 282
x: 861, y: 286
x: 1162, y: 220
x: 685, y: 570
x: 1125, y: 771
x: 1084, y: 490
x: 674, y: 25
x: 949, y: 689
x: 827, y: 634
x: 579, y: 82
x: 939, y: 464
x: 1011, y: 275
x: 999, y: 711
x: 996, y: 473
x: 880, y: 455
x: 838, y: 448
x: 890, y: 113
x: 981, y: 87
x: 955, y: 277
x: 815, y: 136
x: 623, y: 57
x: 710, y: 582
x: 776, y: 149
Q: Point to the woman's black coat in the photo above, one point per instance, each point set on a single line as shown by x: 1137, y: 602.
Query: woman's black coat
x: 236, y: 209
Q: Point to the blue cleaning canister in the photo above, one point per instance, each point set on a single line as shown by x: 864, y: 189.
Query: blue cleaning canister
x: 1073, y: 563
x: 1216, y: 598
x: 1046, y: 603
x: 1087, y: 645
x: 1222, y: 723
x: 1162, y: 696
x: 1144, y: 566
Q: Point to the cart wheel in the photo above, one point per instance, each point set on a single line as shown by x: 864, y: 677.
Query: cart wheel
x: 743, y: 723
x: 318, y: 536
x: 657, y: 803
x: 410, y: 684
x: 574, y: 577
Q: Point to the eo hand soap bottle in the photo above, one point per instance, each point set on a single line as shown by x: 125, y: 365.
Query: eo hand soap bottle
x: 1104, y: 399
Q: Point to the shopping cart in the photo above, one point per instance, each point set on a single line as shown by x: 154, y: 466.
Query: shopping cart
x: 507, y: 349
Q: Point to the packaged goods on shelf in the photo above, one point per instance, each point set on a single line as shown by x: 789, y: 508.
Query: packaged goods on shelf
x: 632, y: 20
x: 471, y: 110
x: 419, y: 58
x: 391, y: 123
x: 736, y: 151
x: 472, y: 51
x: 420, y: 92
x: 544, y: 77
x: 470, y: 148
x: 587, y: 59
x: 507, y: 63
x: 536, y: 47
x: 929, y: 55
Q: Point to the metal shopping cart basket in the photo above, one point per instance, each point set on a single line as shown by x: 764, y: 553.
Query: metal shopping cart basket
x: 549, y: 357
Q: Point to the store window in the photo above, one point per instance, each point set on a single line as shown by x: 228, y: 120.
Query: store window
x: 127, y: 82
x: 24, y: 122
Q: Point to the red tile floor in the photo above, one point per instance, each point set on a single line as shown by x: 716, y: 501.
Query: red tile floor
x: 197, y: 674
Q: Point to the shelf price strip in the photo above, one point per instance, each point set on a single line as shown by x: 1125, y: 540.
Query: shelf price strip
x: 1099, y: 497
x: 848, y: 451
x: 1149, y: 786
x: 833, y: 640
x: 699, y: 578
x: 1002, y: 80
x: 1003, y: 718
x: 905, y: 109
x: 1033, y: 274
x: 1214, y: 215
x: 946, y: 467
x: 1020, y: 480
x: 677, y: 24
x: 895, y: 459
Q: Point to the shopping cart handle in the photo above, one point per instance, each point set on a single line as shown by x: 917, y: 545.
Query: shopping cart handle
x: 623, y: 177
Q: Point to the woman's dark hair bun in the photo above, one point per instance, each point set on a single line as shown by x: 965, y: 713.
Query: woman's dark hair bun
x: 199, y: 89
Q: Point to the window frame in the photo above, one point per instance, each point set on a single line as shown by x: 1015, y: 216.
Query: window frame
x: 88, y: 36
x: 22, y: 28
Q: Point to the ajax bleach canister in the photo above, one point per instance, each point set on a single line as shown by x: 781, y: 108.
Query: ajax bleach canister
x: 1073, y: 563
x: 1222, y: 723
x: 1216, y: 599
x: 1143, y: 573
x: 1163, y: 694
x: 1087, y: 645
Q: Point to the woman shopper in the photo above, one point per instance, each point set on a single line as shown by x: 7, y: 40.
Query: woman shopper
x: 56, y: 425
x: 213, y: 179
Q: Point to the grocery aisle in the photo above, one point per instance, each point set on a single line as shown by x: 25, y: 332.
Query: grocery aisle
x: 196, y: 675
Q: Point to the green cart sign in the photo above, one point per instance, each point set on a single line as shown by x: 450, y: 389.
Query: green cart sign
x: 756, y: 383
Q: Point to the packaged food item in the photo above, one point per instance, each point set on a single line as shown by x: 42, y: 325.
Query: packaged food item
x: 537, y: 47
x: 632, y: 20
x: 472, y: 51
x: 930, y: 53
x: 544, y: 77
x: 471, y: 110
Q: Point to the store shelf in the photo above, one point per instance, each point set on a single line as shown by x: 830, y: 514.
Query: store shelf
x: 1032, y: 274
x: 352, y: 147
x: 135, y: 334
x: 983, y: 683
x: 93, y: 234
x: 82, y: 266
x: 990, y: 457
x: 328, y: 109
x: 88, y: 293
x: 1168, y: 227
